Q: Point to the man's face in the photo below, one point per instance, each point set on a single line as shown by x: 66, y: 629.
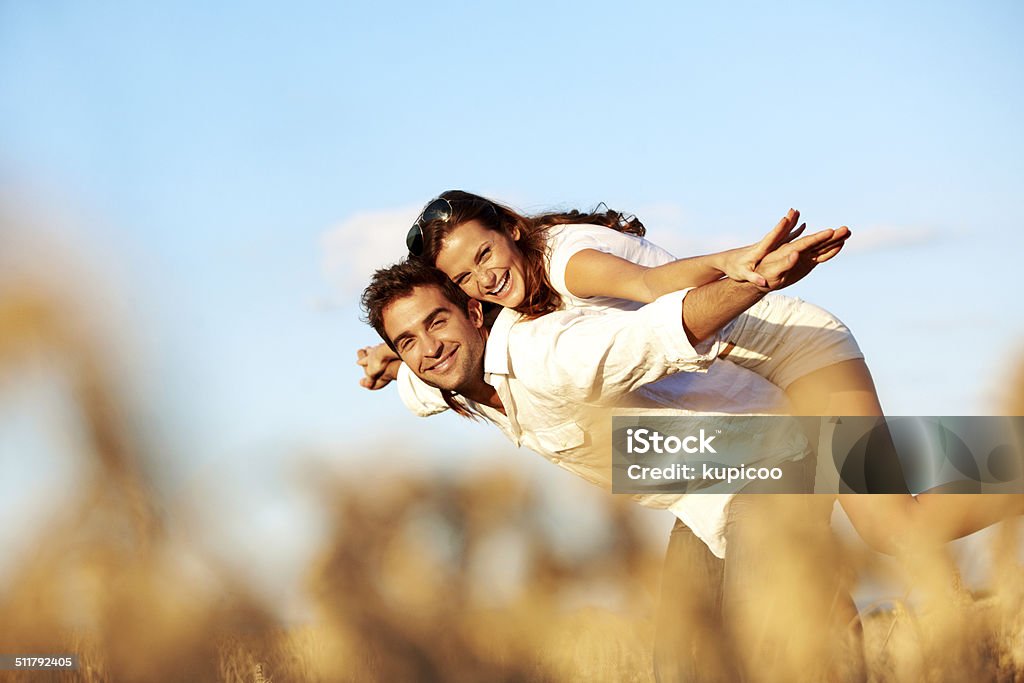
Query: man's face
x: 439, y: 342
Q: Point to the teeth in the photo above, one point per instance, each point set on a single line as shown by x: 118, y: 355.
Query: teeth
x: 441, y: 364
x: 501, y: 287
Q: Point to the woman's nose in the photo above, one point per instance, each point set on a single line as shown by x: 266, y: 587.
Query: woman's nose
x: 485, y: 278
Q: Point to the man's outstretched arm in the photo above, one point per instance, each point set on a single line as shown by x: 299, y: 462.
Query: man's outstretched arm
x: 597, y: 358
x: 710, y: 307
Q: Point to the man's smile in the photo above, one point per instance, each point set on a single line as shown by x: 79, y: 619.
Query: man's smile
x: 443, y: 363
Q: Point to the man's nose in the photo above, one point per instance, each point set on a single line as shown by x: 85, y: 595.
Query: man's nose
x: 434, y: 346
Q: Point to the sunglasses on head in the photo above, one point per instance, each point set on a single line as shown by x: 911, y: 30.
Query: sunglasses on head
x: 438, y: 210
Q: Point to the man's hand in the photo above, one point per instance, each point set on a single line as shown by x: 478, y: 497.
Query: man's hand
x: 791, y: 262
x: 741, y: 264
x: 380, y: 364
x: 709, y: 307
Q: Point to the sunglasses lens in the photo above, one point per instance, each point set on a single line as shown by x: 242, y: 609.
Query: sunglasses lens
x: 414, y: 240
x: 437, y: 210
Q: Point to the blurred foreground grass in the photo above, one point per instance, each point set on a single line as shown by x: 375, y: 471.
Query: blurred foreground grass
x: 405, y: 590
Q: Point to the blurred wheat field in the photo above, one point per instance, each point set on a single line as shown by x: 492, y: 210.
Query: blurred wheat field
x: 404, y: 590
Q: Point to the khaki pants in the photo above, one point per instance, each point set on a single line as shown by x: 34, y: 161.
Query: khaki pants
x: 773, y: 609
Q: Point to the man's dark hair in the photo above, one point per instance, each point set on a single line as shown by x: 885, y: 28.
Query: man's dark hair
x: 399, y: 281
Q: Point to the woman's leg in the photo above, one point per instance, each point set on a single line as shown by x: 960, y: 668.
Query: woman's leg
x: 812, y: 355
x: 807, y: 352
x: 814, y: 358
x: 843, y: 388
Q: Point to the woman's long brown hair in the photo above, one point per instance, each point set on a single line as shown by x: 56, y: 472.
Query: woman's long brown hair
x: 541, y: 297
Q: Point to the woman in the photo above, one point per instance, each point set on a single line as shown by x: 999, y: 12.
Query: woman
x: 539, y: 264
x: 599, y: 260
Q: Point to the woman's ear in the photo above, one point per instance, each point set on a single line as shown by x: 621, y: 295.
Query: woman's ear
x: 476, y: 313
x: 515, y: 234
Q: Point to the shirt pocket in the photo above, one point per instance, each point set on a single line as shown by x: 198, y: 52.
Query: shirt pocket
x: 569, y: 446
x: 561, y: 438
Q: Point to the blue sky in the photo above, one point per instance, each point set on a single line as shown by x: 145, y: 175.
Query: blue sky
x: 235, y: 170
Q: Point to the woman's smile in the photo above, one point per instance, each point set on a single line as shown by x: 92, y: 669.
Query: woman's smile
x: 502, y: 287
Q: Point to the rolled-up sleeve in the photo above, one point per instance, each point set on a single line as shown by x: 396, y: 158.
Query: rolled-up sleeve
x: 598, y: 357
x: 666, y: 318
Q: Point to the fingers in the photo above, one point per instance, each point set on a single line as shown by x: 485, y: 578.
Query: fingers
x: 829, y: 249
x: 775, y: 236
x: 369, y: 376
x: 373, y: 384
x: 823, y: 248
x: 779, y: 235
x: 796, y: 233
x: 365, y: 358
x: 792, y: 216
x: 821, y: 258
x: 810, y: 241
x: 376, y: 367
x: 752, y: 276
x: 374, y: 360
x: 838, y: 238
x: 841, y: 234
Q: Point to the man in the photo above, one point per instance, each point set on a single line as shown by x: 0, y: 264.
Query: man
x: 549, y: 383
x: 545, y: 382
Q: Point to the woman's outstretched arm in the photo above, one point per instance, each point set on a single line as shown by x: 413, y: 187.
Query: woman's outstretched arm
x: 595, y: 273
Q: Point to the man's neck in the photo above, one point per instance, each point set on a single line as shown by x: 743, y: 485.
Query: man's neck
x: 485, y: 394
x: 481, y: 391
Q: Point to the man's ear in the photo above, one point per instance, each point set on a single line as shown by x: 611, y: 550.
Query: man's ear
x: 476, y: 313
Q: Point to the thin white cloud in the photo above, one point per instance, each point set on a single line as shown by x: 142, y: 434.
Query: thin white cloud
x: 362, y: 243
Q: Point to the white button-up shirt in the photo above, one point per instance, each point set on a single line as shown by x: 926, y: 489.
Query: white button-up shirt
x: 561, y: 376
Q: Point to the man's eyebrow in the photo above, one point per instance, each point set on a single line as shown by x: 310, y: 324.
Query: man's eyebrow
x: 427, y: 319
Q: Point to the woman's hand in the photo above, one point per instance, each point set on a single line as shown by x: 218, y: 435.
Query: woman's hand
x: 380, y: 364
x: 741, y: 264
x: 792, y: 262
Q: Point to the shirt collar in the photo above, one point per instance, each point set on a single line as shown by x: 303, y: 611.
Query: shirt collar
x: 496, y: 351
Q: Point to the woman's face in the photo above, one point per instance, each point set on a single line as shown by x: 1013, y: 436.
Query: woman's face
x: 486, y: 264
